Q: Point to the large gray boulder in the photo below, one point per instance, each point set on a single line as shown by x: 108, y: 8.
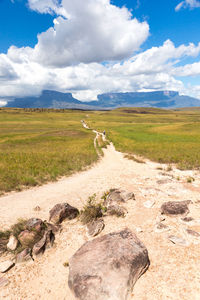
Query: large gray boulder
x: 108, y: 267
x: 62, y: 211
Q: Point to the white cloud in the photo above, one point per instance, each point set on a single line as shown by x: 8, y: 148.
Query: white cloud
x: 94, y: 31
x: 188, y: 3
x: 154, y: 69
x: 68, y: 57
x: 48, y: 7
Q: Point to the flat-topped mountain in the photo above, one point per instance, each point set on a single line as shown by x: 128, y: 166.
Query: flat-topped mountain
x: 54, y: 99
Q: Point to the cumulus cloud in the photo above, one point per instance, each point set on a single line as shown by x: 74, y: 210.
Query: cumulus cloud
x: 68, y: 57
x: 154, y: 69
x: 188, y: 4
x: 94, y: 31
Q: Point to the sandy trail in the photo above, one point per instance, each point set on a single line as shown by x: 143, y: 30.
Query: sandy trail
x: 174, y: 271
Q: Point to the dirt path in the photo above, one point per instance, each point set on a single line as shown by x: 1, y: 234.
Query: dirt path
x: 174, y: 271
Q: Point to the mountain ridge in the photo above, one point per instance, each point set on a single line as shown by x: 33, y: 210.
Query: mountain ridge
x: 54, y: 99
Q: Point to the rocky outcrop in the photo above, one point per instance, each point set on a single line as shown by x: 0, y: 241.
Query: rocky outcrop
x: 35, y: 224
x: 108, y: 267
x: 61, y: 212
x: 95, y: 227
x: 46, y: 241
x: 173, y: 208
x: 28, y: 238
x: 24, y: 256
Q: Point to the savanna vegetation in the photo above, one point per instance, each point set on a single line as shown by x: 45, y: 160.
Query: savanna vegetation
x: 37, y: 145
x: 160, y: 135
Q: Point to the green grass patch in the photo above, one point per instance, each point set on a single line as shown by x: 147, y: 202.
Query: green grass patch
x: 42, y: 145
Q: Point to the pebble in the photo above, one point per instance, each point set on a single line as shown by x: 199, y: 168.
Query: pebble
x: 6, y: 265
x: 149, y: 204
x: 178, y: 240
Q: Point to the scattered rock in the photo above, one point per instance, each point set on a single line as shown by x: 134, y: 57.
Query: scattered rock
x: 108, y: 267
x: 116, y: 210
x: 6, y: 266
x: 160, y: 227
x: 24, y: 256
x: 193, y: 233
x: 175, y: 208
x: 149, y: 203
x: 37, y: 208
x: 28, y: 238
x: 95, y: 227
x: 117, y: 196
x: 62, y: 211
x: 12, y: 243
x: 35, y: 224
x: 127, y: 196
x: 46, y: 242
x: 139, y: 230
x: 3, y: 281
x: 178, y: 240
x: 187, y: 219
x: 163, y: 181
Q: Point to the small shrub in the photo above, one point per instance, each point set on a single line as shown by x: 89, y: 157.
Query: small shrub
x: 169, y: 168
x: 18, y: 227
x: 66, y: 264
x: 91, y: 211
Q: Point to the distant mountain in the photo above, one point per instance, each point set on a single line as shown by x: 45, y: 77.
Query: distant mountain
x: 159, y: 99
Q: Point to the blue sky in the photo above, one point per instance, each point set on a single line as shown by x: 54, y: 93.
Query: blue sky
x: 160, y: 50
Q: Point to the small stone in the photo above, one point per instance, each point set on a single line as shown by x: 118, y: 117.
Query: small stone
x: 138, y: 230
x: 95, y: 227
x: 12, y: 243
x: 160, y: 227
x: 61, y: 212
x: 6, y: 266
x: 163, y: 181
x: 178, y: 240
x: 149, y: 203
x: 24, y: 256
x: 175, y: 208
x: 187, y: 219
x: 116, y: 210
x: 193, y: 233
x: 37, y: 208
x: 3, y: 281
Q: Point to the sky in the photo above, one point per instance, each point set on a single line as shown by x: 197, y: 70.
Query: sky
x: 89, y: 47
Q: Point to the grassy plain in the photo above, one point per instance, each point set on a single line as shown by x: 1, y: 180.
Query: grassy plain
x: 160, y: 135
x: 40, y: 146
x: 36, y: 146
